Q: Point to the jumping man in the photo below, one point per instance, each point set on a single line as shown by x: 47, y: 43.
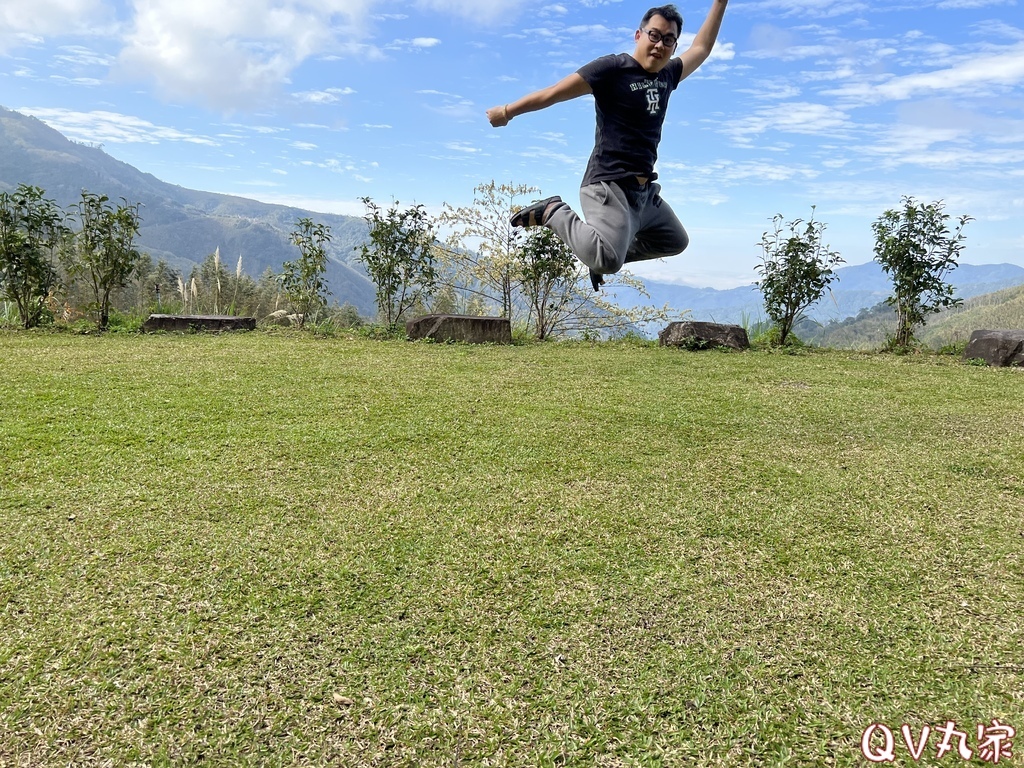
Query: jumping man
x: 626, y: 219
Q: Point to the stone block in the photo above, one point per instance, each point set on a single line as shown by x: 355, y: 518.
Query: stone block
x: 998, y: 348
x: 184, y: 323
x: 471, y: 330
x: 697, y: 335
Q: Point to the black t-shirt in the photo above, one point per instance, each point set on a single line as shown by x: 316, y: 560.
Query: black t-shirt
x: 631, y: 105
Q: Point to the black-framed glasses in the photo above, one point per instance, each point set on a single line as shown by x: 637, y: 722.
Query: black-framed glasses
x: 656, y: 37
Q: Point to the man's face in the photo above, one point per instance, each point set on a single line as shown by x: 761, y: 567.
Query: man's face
x: 654, y: 56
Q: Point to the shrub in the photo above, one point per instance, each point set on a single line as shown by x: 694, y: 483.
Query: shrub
x: 796, y: 270
x: 917, y: 249
x: 303, y: 280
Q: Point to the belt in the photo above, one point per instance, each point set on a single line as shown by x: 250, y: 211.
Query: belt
x: 632, y: 182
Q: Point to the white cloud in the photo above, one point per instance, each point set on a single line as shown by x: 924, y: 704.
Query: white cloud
x: 416, y: 44
x: 808, y: 8
x: 452, y: 105
x: 989, y: 73
x: 772, y: 91
x: 111, y: 127
x: 790, y: 117
x: 997, y: 28
x: 230, y: 54
x: 487, y: 12
x: 732, y: 172
x: 26, y: 22
x: 326, y: 96
x: 591, y: 30
x: 542, y: 153
x: 461, y: 146
x: 959, y: 4
x: 554, y: 10
x: 77, y: 55
x: 792, y: 53
x: 264, y: 130
x: 83, y: 82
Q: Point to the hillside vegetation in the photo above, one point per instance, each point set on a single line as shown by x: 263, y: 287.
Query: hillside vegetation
x: 871, y: 328
x: 286, y: 550
x: 1000, y: 310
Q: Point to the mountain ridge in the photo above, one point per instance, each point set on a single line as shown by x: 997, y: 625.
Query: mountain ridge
x: 858, y: 287
x: 180, y: 225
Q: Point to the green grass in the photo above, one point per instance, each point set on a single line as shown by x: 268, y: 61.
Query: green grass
x: 272, y: 549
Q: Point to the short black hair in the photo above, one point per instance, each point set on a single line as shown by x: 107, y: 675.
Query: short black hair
x: 668, y: 12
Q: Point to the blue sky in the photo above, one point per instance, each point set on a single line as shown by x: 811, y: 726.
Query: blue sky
x: 845, y: 105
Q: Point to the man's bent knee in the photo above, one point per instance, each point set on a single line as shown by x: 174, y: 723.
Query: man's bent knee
x: 606, y: 260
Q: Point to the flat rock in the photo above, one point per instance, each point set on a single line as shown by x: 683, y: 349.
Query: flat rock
x: 998, y: 348
x: 184, y: 323
x: 465, y: 328
x: 691, y: 334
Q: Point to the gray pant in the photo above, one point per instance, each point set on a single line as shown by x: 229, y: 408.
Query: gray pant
x: 622, y: 225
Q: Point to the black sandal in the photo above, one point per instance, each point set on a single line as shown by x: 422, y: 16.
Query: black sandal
x: 596, y: 280
x: 533, y: 215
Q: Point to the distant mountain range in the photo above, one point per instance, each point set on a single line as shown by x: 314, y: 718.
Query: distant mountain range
x: 184, y: 226
x: 857, y: 288
x: 181, y: 226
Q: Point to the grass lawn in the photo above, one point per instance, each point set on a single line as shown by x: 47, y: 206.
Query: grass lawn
x: 272, y: 550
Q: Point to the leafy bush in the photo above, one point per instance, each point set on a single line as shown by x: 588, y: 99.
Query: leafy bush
x: 399, y: 258
x: 303, y: 279
x: 796, y: 270
x: 104, y: 251
x: 917, y: 249
x: 31, y: 231
x: 771, y: 338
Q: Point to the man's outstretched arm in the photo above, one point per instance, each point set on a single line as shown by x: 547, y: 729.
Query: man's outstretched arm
x: 702, y: 44
x: 570, y: 87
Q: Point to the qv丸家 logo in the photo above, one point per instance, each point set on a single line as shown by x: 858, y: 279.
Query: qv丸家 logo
x: 994, y: 742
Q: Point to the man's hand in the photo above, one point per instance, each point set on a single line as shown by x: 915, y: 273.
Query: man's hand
x: 498, y: 116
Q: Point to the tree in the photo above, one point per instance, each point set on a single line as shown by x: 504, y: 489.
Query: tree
x: 592, y: 314
x: 104, y: 250
x: 549, y: 274
x: 481, y: 252
x: 153, y: 287
x: 347, y: 316
x: 495, y: 265
x: 796, y: 270
x: 917, y: 249
x: 303, y: 280
x: 32, y: 229
x: 399, y: 258
x: 445, y: 301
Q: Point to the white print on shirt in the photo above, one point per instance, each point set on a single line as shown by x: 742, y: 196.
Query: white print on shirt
x: 653, y: 101
x: 653, y: 94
